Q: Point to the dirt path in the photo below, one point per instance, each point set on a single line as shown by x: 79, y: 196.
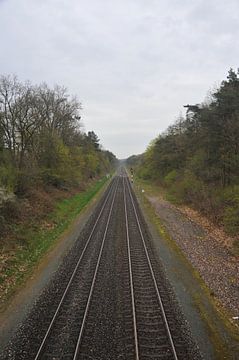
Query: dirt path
x: 216, y: 265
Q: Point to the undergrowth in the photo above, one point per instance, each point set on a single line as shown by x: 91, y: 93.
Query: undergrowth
x: 36, y: 238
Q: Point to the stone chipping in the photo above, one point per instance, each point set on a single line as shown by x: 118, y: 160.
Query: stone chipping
x: 218, y: 267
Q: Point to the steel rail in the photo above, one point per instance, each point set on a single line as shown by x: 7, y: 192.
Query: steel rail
x: 131, y: 278
x: 43, y: 343
x: 153, y: 276
x: 77, y: 348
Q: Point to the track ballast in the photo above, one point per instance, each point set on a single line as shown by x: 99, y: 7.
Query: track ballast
x: 115, y: 302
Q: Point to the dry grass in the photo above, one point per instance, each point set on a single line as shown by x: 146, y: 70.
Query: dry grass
x: 215, y: 231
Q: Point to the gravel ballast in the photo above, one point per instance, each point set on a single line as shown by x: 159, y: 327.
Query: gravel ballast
x: 106, y: 329
x: 216, y: 265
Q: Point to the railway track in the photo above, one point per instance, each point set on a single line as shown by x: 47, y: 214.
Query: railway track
x: 152, y: 334
x: 64, y: 331
x: 115, y: 305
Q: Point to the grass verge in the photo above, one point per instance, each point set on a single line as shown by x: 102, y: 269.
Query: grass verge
x: 39, y: 238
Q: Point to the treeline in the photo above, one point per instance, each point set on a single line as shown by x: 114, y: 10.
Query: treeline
x: 41, y: 139
x: 197, y: 158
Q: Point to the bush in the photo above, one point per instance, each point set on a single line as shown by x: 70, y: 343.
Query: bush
x: 8, y: 177
x: 231, y: 220
x: 171, y: 178
x: 25, y: 180
x: 2, y: 224
x: 144, y: 173
x: 8, y: 209
x: 231, y: 210
x: 11, y: 209
x: 50, y: 177
x: 185, y: 188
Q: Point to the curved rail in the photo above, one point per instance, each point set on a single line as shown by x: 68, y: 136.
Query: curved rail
x: 42, y: 346
x: 153, y: 276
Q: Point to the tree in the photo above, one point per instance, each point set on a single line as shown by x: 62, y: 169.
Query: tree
x: 94, y: 140
x: 41, y: 137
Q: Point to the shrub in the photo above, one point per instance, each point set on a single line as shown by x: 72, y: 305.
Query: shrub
x: 231, y: 220
x: 11, y: 209
x: 8, y: 177
x: 185, y: 188
x: 144, y: 173
x: 50, y: 177
x: 171, y: 178
x: 231, y: 210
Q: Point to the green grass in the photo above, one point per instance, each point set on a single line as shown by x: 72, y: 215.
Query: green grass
x: 37, y: 241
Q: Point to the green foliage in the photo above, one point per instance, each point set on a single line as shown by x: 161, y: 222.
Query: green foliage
x: 145, y: 173
x: 197, y: 158
x: 190, y: 188
x: 184, y: 188
x: 7, y: 176
x: 94, y: 140
x: 171, y: 178
x: 231, y: 212
x: 34, y: 241
x: 41, y: 139
x: 231, y: 220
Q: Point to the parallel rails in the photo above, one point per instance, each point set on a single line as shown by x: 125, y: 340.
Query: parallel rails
x: 139, y: 351
x: 77, y: 350
x: 40, y: 352
x: 151, y: 334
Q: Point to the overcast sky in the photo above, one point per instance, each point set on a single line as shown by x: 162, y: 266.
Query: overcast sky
x: 132, y: 63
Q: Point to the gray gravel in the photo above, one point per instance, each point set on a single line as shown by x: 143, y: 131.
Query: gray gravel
x: 218, y: 268
x: 106, y: 334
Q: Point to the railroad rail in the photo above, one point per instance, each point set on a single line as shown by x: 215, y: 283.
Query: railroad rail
x: 49, y: 354
x: 150, y: 341
x: 114, y: 305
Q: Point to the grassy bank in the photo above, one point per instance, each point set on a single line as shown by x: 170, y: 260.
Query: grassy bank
x: 37, y: 238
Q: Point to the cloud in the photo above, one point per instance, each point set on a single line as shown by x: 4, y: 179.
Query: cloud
x: 132, y: 63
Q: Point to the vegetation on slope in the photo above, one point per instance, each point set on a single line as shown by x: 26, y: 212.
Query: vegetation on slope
x: 36, y: 228
x: 42, y: 144
x: 197, y: 158
x: 49, y: 169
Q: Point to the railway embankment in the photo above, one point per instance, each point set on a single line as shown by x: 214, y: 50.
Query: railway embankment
x: 43, y: 221
x: 200, y: 266
x: 93, y: 308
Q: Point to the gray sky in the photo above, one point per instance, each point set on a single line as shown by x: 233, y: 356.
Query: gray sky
x: 132, y: 63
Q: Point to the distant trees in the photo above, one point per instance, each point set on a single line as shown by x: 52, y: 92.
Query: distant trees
x: 197, y: 158
x: 41, y: 138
